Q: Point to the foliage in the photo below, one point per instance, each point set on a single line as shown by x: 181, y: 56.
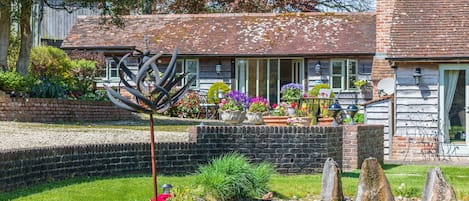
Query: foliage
x: 12, y: 81
x: 235, y: 101
x: 189, y: 105
x: 98, y: 95
x: 13, y: 50
x: 212, y: 94
x: 48, y: 89
x: 83, y: 73
x: 182, y: 194
x: 291, y: 91
x: 360, y: 83
x: 258, y: 104
x: 404, y: 191
x: 231, y: 177
x: 279, y: 110
x: 314, y: 92
x: 303, y: 110
x: 359, y: 118
x: 50, y: 63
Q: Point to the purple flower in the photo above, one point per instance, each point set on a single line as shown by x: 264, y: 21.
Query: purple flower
x: 291, y: 86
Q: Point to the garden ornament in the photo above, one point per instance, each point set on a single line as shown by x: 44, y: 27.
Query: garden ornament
x: 151, y: 91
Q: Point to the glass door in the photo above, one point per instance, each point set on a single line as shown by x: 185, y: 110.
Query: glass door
x: 454, y: 109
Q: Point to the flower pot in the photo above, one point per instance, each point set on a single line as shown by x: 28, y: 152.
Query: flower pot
x: 232, y: 117
x: 302, y: 121
x: 275, y: 120
x: 325, y: 121
x: 255, y: 117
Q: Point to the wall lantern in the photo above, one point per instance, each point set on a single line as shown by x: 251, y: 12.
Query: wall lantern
x: 317, y: 67
x: 218, y: 68
x: 418, y: 76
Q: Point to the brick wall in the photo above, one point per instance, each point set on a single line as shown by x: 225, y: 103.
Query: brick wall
x: 290, y: 149
x: 54, y: 110
x: 361, y: 142
x: 415, y: 148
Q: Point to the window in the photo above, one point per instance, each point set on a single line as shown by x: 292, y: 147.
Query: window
x: 112, y: 71
x: 191, y: 67
x: 343, y: 73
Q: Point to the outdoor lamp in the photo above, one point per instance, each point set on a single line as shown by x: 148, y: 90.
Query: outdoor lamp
x: 334, y: 109
x: 166, y: 188
x: 317, y: 67
x: 351, y: 111
x: 218, y: 68
x: 418, y: 76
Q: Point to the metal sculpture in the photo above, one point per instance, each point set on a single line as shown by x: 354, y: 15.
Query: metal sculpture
x: 152, y: 92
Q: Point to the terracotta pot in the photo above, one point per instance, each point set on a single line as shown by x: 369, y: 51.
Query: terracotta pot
x: 325, y: 121
x: 275, y: 120
x: 302, y: 121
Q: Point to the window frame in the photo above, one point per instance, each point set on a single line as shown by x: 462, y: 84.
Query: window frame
x: 184, y: 67
x: 347, y: 78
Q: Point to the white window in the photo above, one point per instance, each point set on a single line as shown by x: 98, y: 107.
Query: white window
x: 191, y: 67
x: 112, y: 71
x: 343, y: 74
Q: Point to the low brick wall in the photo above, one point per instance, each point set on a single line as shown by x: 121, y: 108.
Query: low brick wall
x: 361, y: 142
x: 415, y: 148
x: 55, y: 110
x: 292, y: 150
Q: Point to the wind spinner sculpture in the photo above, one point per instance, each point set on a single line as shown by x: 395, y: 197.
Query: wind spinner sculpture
x: 151, y: 92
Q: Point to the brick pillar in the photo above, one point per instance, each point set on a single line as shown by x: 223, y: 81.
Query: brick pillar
x: 381, y: 68
x: 361, y: 142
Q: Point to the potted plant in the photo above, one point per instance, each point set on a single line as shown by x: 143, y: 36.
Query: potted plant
x: 278, y: 116
x: 302, y: 116
x: 232, y: 107
x: 364, y: 85
x: 291, y: 92
x: 258, y: 106
x: 325, y: 99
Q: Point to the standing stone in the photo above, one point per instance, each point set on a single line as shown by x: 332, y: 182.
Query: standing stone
x: 437, y: 188
x: 373, y: 184
x: 331, y: 183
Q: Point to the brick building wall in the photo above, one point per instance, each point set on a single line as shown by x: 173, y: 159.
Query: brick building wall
x: 291, y: 150
x: 361, y: 142
x: 415, y: 148
x: 54, y: 110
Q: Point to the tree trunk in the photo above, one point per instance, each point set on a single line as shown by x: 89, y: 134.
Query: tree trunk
x: 4, y: 33
x: 26, y: 38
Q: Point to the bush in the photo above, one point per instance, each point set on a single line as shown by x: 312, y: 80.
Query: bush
x: 359, y: 118
x: 48, y: 89
x: 187, y: 107
x: 98, y: 95
x: 231, y: 177
x: 12, y: 81
x: 50, y: 63
x: 83, y: 73
x: 212, y: 94
x: 314, y: 92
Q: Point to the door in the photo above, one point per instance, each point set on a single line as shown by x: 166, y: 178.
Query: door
x: 454, y: 110
x: 264, y: 77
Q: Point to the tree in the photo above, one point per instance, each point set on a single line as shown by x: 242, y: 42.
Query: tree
x: 26, y: 37
x: 5, y: 21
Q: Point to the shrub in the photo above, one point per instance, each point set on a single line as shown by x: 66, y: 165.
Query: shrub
x: 359, y: 118
x: 12, y: 81
x: 231, y: 177
x: 50, y: 63
x: 98, y: 95
x: 314, y: 92
x: 83, y: 73
x: 187, y: 107
x: 48, y: 89
x: 212, y: 94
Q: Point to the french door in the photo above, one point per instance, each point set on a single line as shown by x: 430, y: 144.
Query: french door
x: 265, y: 77
x: 454, y: 109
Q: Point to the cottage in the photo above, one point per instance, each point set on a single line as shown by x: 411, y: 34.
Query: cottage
x: 254, y: 53
x: 424, y: 46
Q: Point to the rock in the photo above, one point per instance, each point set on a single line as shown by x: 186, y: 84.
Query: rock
x: 437, y: 188
x: 331, y: 189
x: 373, y: 184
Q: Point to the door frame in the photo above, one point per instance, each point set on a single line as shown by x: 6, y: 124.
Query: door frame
x: 448, y: 149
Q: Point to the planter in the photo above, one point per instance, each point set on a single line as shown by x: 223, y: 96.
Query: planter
x: 255, y: 118
x: 326, y: 121
x: 302, y: 121
x: 290, y: 111
x: 275, y: 120
x: 232, y: 117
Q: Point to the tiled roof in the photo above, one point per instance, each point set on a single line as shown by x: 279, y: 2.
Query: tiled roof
x: 430, y: 29
x: 235, y: 34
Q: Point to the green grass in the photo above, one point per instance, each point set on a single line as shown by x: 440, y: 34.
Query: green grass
x: 138, y: 188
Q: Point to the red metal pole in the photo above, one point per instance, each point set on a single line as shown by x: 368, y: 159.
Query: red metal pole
x: 153, y: 157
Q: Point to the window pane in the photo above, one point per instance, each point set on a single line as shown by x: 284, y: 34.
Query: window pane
x: 337, y: 67
x: 252, y: 77
x: 273, y: 89
x: 263, y: 78
x: 337, y: 82
x: 190, y: 76
x: 191, y: 66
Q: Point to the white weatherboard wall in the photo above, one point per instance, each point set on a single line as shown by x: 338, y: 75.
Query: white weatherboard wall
x: 416, y: 105
x: 380, y: 112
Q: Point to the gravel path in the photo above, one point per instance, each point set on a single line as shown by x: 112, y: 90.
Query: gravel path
x: 14, y: 135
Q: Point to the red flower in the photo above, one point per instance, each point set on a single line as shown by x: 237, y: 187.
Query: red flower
x: 294, y: 104
x: 274, y: 105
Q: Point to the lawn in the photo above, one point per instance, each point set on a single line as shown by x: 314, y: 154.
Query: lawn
x: 138, y: 188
